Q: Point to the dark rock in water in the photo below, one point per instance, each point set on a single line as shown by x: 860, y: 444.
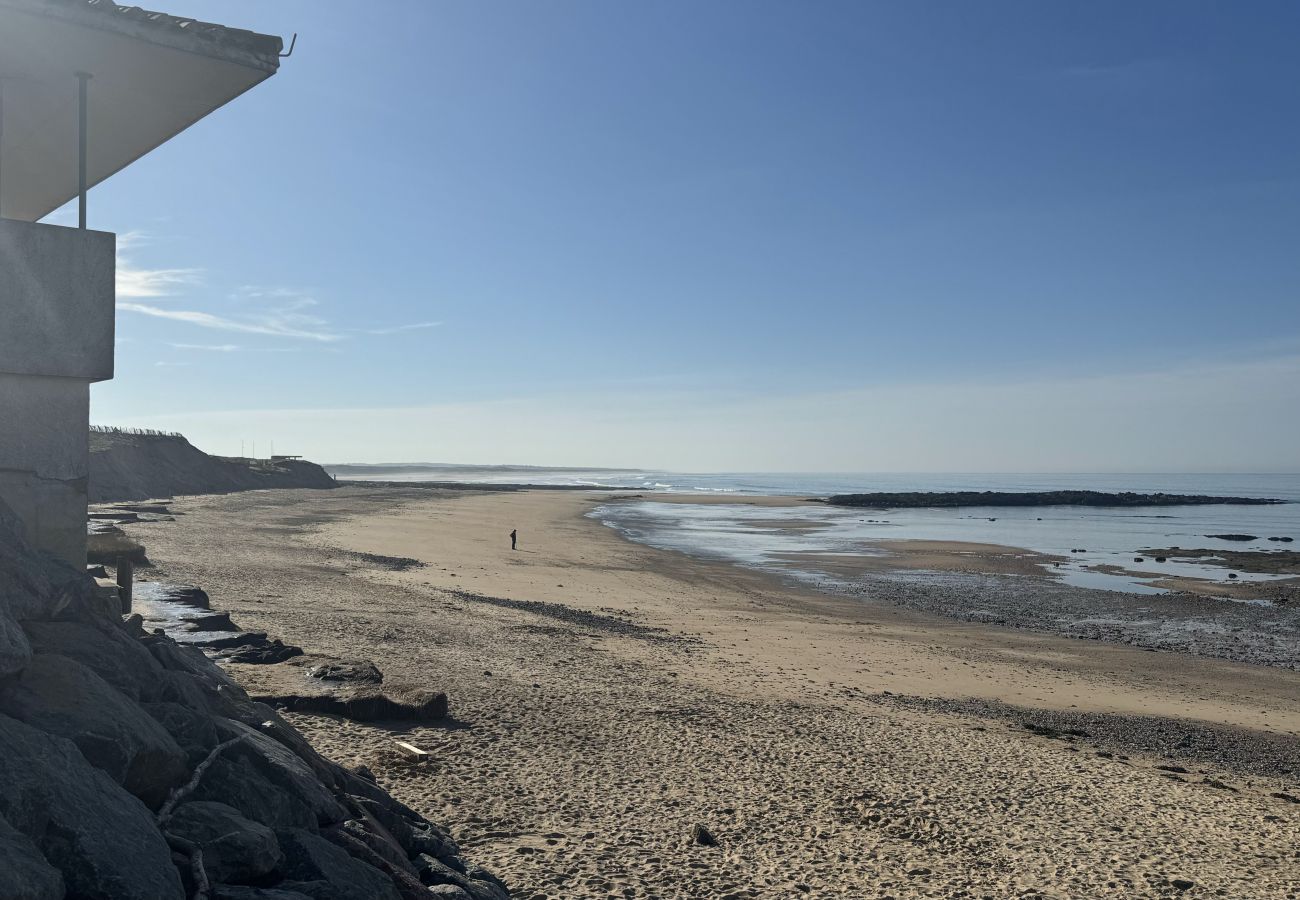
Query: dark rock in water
x: 24, y: 873
x: 1232, y: 574
x: 1284, y: 540
x: 234, y: 849
x: 317, y: 868
x: 1233, y: 537
x: 62, y: 697
x: 954, y: 499
x: 210, y: 621
x: 1139, y: 559
x: 167, y: 594
x: 118, y: 659
x: 103, y: 840
x: 1160, y: 559
x: 702, y: 836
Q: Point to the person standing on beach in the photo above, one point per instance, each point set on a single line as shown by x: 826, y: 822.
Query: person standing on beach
x: 514, y: 537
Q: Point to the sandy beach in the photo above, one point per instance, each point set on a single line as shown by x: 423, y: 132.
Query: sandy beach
x: 607, y: 697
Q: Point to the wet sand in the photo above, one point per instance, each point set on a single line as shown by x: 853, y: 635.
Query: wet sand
x: 607, y: 697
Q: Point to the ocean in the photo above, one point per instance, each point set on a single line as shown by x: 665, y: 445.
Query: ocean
x: 772, y: 538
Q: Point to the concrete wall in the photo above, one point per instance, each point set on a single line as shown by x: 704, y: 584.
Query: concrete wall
x: 44, y: 455
x: 56, y: 294
x: 56, y: 337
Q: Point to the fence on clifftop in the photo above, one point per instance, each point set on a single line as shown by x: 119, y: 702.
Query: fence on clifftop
x: 152, y: 432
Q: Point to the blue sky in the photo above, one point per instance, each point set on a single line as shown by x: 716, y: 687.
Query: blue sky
x: 1025, y: 236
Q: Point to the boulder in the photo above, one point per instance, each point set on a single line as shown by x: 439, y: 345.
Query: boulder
x: 190, y: 728
x: 351, y: 688
x: 377, y: 854
x: 271, y: 652
x: 238, y: 783
x: 15, y: 649
x: 24, y: 873
x: 62, y: 697
x: 243, y: 892
x: 477, y: 882
x: 101, y: 839
x: 234, y: 848
x: 267, y: 782
x: 220, y: 640
x: 352, y: 671
x: 448, y: 892
x: 106, y: 650
x: 322, y: 871
x: 34, y: 585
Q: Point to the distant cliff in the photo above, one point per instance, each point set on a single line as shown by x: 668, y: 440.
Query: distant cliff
x: 948, y: 499
x: 130, y: 466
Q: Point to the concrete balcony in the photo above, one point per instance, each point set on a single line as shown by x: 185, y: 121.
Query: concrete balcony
x: 56, y: 337
x: 56, y: 301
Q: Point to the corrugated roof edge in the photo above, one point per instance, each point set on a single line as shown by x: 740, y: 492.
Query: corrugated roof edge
x: 236, y: 45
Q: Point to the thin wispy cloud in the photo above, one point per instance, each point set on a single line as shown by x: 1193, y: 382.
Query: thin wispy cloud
x: 397, y: 329
x: 140, y: 283
x: 275, y: 324
x: 275, y: 311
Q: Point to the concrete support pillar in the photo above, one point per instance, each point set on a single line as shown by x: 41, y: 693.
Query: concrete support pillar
x: 56, y: 291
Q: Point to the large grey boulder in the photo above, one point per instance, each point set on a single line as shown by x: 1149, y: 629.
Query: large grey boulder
x: 15, y: 649
x: 266, y: 782
x: 234, y: 849
x: 24, y: 873
x: 103, y: 840
x: 189, y: 727
x: 106, y: 650
x: 243, y: 892
x: 478, y: 883
x: 322, y: 871
x: 60, y: 696
x: 379, y: 854
x: 35, y: 585
x: 239, y: 783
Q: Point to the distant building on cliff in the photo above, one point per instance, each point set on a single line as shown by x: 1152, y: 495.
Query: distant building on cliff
x: 87, y: 87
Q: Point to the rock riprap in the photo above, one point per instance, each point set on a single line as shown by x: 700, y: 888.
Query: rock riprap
x: 133, y: 767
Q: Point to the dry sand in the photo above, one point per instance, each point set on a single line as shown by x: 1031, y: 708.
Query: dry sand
x: 607, y: 697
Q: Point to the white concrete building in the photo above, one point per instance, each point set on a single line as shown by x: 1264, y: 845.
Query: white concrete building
x: 87, y: 87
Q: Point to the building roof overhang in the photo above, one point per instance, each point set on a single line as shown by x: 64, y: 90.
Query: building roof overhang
x: 151, y: 76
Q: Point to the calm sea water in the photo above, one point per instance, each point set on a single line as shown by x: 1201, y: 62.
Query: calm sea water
x: 768, y: 537
x: 773, y: 538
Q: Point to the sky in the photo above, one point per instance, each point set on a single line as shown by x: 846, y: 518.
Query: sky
x: 730, y: 236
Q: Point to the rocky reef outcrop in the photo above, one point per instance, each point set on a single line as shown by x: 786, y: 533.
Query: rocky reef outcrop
x: 132, y: 767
